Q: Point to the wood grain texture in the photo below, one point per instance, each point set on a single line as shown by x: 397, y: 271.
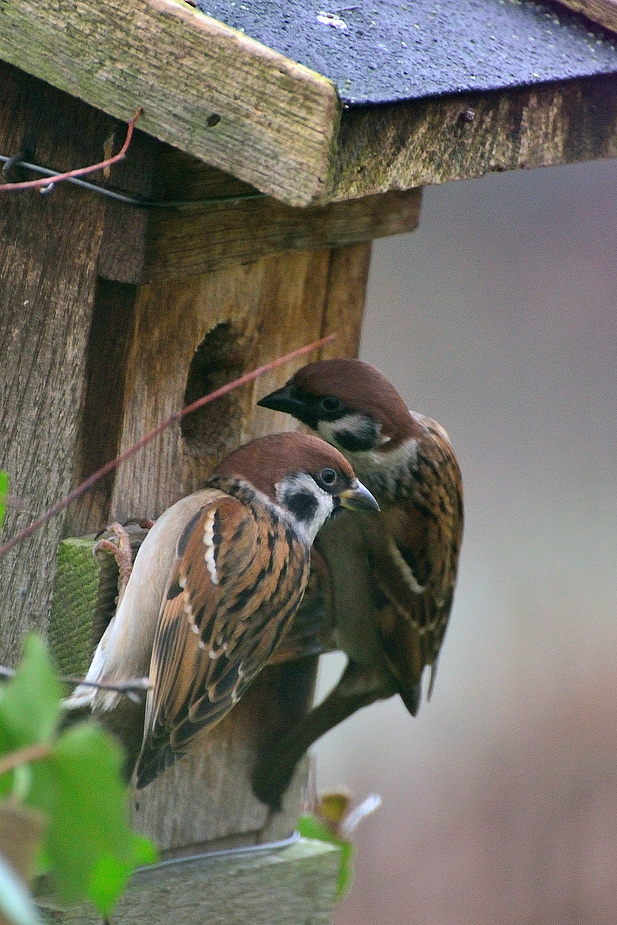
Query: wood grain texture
x: 453, y: 138
x: 123, y: 248
x: 231, y: 102
x: 48, y: 254
x: 194, y: 240
x: 102, y: 399
x: 347, y: 282
x: 264, y: 309
x: 389, y: 149
x: 604, y: 12
x: 204, y: 87
x: 287, y: 885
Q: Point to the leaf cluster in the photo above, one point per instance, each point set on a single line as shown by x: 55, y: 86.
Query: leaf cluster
x: 73, y: 781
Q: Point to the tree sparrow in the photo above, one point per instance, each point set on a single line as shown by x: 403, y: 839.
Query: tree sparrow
x: 212, y: 591
x: 389, y: 575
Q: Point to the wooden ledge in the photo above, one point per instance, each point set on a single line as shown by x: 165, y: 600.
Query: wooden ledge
x: 289, y: 884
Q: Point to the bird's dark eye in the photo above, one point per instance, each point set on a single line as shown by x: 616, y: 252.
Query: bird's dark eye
x: 328, y: 477
x: 331, y: 404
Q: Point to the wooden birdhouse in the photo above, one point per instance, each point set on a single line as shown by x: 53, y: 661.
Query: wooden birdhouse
x: 275, y: 143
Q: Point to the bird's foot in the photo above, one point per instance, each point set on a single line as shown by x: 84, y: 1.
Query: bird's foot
x: 119, y: 545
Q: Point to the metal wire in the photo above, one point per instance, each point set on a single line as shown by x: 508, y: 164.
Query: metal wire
x: 135, y: 202
x: 224, y: 852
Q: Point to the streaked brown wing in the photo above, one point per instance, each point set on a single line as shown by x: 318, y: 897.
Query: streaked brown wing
x: 236, y: 581
x: 311, y: 630
x: 416, y: 566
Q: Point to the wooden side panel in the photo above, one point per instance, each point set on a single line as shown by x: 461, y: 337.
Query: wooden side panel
x: 48, y: 254
x: 248, y: 314
x: 245, y: 315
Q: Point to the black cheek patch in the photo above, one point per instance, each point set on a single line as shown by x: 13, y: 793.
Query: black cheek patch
x: 303, y: 505
x: 364, y: 436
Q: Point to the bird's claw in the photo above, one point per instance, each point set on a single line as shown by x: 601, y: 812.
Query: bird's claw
x: 120, y: 549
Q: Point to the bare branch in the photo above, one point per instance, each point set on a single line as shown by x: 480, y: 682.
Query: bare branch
x: 131, y: 688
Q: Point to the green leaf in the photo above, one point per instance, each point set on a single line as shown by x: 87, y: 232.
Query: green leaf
x: 310, y: 827
x: 4, y: 491
x: 30, y: 703
x: 91, y: 849
x: 88, y: 847
x: 15, y: 901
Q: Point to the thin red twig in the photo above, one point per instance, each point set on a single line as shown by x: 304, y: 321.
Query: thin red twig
x: 113, y: 463
x: 23, y: 756
x: 81, y: 171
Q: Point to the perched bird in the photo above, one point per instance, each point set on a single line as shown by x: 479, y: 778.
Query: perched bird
x: 386, y: 578
x: 212, y: 591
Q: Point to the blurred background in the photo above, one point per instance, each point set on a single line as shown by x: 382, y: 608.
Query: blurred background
x: 498, y: 317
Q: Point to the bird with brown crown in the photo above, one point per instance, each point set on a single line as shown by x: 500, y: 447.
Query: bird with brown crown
x: 212, y: 592
x: 386, y: 579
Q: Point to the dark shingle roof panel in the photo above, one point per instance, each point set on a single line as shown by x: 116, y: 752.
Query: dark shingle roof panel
x: 383, y: 51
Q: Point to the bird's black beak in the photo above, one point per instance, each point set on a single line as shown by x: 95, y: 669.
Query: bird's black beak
x: 286, y: 400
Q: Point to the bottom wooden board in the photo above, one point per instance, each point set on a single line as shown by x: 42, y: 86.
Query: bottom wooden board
x: 292, y: 883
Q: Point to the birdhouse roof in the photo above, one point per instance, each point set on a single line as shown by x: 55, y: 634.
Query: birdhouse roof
x: 387, y: 51
x: 313, y: 105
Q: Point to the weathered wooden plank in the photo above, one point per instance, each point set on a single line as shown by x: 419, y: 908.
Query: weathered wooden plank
x: 604, y: 12
x: 243, y: 315
x: 100, y: 419
x: 280, y: 132
x: 454, y: 138
x: 123, y: 248
x: 200, y: 238
x: 289, y: 885
x: 205, y: 88
x: 48, y: 254
x: 386, y: 149
x: 347, y: 282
